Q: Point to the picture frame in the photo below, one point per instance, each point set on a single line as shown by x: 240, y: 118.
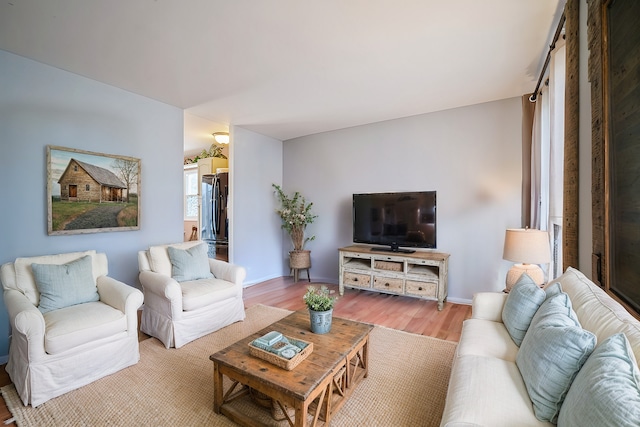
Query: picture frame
x: 90, y: 192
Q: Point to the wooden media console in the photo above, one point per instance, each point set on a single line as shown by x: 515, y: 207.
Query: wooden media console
x: 418, y: 274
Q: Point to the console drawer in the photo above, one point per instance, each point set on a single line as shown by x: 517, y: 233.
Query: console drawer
x: 388, y: 284
x: 423, y: 289
x: 356, y: 279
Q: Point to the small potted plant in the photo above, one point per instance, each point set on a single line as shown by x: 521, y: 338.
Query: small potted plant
x: 320, y: 304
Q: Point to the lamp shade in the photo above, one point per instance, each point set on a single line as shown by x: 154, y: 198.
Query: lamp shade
x: 527, y: 246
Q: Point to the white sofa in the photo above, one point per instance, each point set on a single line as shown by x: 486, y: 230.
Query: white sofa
x: 486, y: 387
x: 179, y: 312
x: 64, y: 349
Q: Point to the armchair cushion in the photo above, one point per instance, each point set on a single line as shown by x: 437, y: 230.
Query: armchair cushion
x: 201, y: 293
x: 80, y: 324
x: 189, y: 264
x: 64, y: 285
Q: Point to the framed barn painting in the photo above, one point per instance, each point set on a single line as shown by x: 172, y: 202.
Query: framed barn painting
x: 91, y: 192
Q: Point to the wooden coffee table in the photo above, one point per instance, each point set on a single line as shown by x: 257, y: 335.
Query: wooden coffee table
x: 319, y: 385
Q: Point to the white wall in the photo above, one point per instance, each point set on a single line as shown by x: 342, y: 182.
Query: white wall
x: 41, y: 105
x: 255, y: 235
x: 471, y: 156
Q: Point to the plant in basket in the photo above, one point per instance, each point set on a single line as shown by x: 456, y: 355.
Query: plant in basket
x: 295, y: 213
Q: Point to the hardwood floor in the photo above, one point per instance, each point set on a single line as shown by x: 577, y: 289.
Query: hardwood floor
x: 393, y: 311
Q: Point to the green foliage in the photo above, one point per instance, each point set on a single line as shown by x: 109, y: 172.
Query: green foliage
x: 319, y: 299
x: 213, y: 151
x: 295, y: 214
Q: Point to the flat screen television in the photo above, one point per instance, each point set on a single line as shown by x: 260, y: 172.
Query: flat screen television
x: 395, y: 220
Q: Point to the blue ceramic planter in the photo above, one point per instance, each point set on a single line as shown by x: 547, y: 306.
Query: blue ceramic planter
x: 320, y: 321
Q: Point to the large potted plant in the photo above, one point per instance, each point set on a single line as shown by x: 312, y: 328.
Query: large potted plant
x: 296, y: 214
x: 320, y: 304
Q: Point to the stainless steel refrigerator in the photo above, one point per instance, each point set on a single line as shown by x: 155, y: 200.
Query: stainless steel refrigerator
x: 214, y: 222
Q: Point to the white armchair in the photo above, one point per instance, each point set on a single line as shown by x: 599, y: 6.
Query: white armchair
x: 63, y: 349
x: 179, y: 312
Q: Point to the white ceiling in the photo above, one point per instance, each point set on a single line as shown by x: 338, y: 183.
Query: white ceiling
x: 289, y: 68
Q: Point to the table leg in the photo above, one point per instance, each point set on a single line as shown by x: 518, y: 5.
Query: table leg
x: 365, y: 356
x: 301, y: 413
x: 328, y: 399
x: 217, y: 388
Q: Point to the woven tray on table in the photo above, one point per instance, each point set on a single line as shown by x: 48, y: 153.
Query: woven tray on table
x: 279, y: 361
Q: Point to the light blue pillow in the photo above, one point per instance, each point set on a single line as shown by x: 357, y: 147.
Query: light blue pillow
x: 189, y: 264
x: 64, y: 285
x: 606, y: 391
x: 553, y: 289
x: 522, y: 303
x: 552, y: 352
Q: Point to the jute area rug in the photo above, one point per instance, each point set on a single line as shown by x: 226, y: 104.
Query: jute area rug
x: 406, y: 386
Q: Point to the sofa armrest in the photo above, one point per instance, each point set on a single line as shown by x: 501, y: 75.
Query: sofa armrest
x: 119, y: 295
x: 27, y: 325
x: 229, y: 272
x: 161, y: 285
x: 162, y: 293
x: 488, y: 306
x: 123, y: 297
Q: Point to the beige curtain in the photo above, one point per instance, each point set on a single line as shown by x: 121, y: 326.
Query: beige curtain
x: 527, y: 130
x: 539, y: 145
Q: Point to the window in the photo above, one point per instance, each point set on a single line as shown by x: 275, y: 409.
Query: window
x: 191, y: 193
x: 86, y: 187
x: 623, y: 147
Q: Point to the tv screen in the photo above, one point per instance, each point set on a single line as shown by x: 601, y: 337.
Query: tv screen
x: 395, y: 219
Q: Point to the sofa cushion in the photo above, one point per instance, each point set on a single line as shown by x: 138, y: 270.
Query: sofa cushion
x: 486, y: 338
x: 552, y: 352
x: 189, y: 264
x: 65, y: 285
x: 488, y: 305
x: 487, y: 391
x: 606, y: 391
x: 80, y: 324
x: 597, y: 311
x: 204, y: 292
x: 522, y: 303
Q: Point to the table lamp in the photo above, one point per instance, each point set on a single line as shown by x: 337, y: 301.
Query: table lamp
x: 527, y: 247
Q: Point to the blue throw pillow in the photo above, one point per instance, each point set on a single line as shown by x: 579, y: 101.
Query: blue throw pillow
x: 553, y: 289
x: 606, y: 391
x: 522, y: 303
x: 64, y: 285
x: 552, y: 352
x: 189, y: 264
